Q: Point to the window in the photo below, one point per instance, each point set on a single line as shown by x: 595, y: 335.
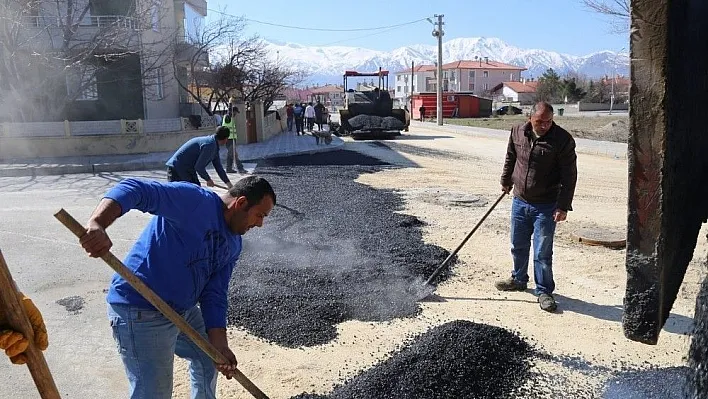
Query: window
x: 472, y: 75
x: 155, y: 15
x: 452, y: 76
x: 159, y: 82
x: 82, y: 84
x: 486, y: 86
x: 398, y: 88
x: 471, y: 86
x: 486, y: 74
x: 405, y: 89
x: 398, y: 78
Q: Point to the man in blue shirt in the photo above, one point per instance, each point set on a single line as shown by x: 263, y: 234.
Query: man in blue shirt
x: 192, y: 158
x: 186, y: 255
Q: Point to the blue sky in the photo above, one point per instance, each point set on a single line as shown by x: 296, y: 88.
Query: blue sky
x: 558, y: 25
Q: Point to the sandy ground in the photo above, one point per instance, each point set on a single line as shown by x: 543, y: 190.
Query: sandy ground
x: 590, y: 280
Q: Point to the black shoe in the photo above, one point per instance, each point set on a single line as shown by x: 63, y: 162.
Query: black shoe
x: 547, y: 302
x: 243, y: 171
x: 230, y: 170
x: 510, y: 285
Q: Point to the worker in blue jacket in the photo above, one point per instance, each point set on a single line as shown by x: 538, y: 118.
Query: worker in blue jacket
x: 186, y: 255
x: 192, y: 158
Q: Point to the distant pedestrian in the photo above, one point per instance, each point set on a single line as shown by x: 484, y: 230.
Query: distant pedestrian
x: 541, y: 167
x: 422, y: 113
x: 320, y: 111
x: 218, y: 119
x: 299, y: 114
x: 290, y: 113
x: 310, y: 116
x: 191, y: 159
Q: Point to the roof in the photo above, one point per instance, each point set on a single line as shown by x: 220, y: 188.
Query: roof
x: 521, y: 87
x: 327, y: 89
x: 481, y: 64
x: 419, y: 68
x: 355, y: 73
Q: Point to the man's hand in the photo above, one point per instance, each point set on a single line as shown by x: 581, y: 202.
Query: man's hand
x: 559, y: 215
x: 506, y: 189
x: 95, y: 241
x: 15, y: 344
x: 210, y: 183
x: 228, y: 184
x: 217, y: 337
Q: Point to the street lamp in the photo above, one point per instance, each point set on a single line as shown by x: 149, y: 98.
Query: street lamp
x: 439, y: 33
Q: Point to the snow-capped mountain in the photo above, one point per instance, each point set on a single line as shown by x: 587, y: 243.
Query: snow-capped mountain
x: 326, y: 64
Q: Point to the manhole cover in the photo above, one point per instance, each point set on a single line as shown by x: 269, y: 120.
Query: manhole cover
x: 600, y: 237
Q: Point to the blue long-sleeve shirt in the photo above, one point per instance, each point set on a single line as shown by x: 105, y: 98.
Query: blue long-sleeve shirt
x: 186, y: 253
x: 194, y: 156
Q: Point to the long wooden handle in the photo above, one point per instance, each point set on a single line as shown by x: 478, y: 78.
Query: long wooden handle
x: 462, y: 244
x: 67, y: 220
x: 18, y: 321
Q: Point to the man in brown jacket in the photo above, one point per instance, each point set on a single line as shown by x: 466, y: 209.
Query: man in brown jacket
x: 541, y: 167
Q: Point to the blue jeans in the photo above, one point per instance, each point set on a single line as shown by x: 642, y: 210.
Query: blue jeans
x: 147, y: 342
x: 290, y: 124
x: 536, y: 219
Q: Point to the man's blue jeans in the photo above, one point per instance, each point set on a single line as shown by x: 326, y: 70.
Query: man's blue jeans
x: 147, y: 342
x: 537, y: 220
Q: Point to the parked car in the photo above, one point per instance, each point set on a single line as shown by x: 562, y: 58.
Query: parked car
x: 509, y: 110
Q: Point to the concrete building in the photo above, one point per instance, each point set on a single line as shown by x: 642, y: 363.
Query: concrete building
x: 522, y: 92
x: 477, y: 77
x: 133, y: 44
x: 330, y: 95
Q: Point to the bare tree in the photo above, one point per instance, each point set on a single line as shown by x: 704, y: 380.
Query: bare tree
x: 265, y: 81
x: 223, y: 64
x: 617, y: 10
x: 55, y: 52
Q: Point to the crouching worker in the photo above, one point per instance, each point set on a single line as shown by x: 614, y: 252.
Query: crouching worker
x: 14, y: 343
x: 186, y: 255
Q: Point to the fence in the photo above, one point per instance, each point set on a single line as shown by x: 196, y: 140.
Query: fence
x: 101, y: 128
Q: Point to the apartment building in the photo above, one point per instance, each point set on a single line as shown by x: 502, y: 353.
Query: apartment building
x: 477, y: 77
x: 128, y: 51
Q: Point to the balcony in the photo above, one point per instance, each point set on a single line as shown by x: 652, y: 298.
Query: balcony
x: 187, y: 54
x: 98, y: 21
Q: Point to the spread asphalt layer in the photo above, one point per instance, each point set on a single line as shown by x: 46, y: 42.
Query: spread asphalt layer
x: 348, y: 256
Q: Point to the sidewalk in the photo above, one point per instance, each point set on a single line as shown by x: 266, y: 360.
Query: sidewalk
x: 285, y: 143
x: 583, y: 146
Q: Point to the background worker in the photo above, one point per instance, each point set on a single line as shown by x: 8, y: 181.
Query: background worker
x: 192, y: 158
x: 231, y: 154
x: 541, y: 166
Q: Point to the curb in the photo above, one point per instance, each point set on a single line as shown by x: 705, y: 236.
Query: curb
x: 95, y: 168
x: 583, y: 146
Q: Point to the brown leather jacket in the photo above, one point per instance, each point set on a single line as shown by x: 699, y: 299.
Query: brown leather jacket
x: 543, y: 171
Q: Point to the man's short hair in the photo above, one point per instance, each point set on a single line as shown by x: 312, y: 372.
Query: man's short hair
x: 254, y: 188
x: 542, y: 106
x: 222, y: 133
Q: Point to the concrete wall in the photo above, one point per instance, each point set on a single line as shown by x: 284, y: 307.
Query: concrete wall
x: 57, y: 139
x: 601, y: 107
x: 272, y: 126
x: 40, y: 147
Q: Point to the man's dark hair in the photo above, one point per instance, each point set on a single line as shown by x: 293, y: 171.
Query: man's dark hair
x: 222, y: 133
x: 254, y: 188
x: 542, y: 106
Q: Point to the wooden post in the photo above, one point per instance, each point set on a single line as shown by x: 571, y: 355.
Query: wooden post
x: 666, y: 156
x: 75, y: 227
x: 17, y: 320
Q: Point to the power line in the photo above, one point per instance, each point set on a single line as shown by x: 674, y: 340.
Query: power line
x: 358, y: 37
x: 319, y: 29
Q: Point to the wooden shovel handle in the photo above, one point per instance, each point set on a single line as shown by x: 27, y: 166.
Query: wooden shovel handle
x: 67, y: 220
x: 18, y: 321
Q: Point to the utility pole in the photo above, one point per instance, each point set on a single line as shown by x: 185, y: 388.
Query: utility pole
x: 412, y: 80
x: 439, y: 33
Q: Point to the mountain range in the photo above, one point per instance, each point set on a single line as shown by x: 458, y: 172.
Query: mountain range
x: 326, y: 64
